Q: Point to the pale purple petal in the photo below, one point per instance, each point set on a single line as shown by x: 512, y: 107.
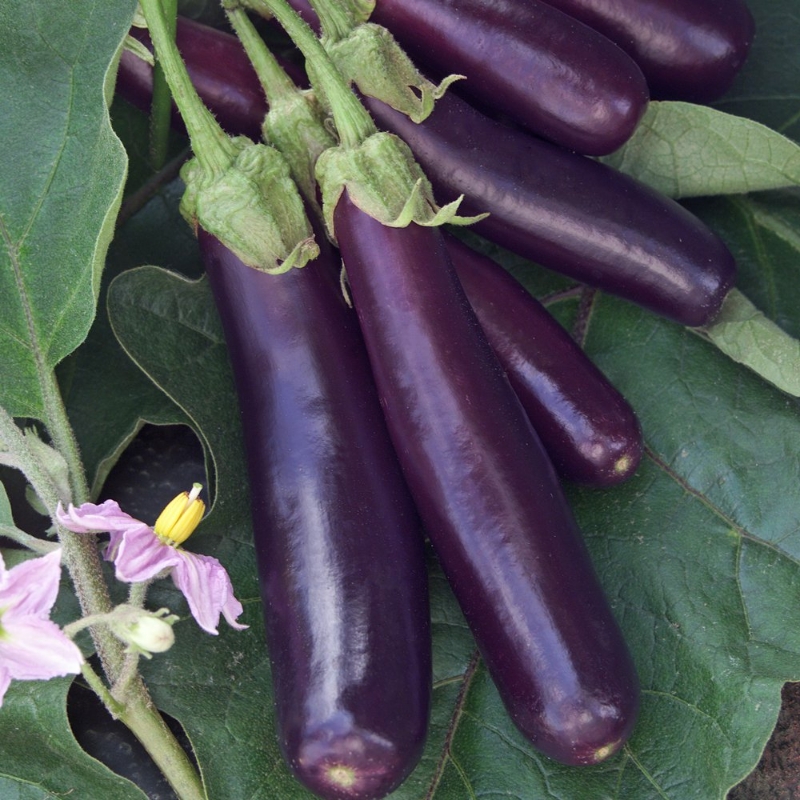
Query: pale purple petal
x: 37, y: 649
x: 30, y: 588
x: 208, y: 590
x: 92, y: 518
x: 140, y: 555
x: 5, y: 680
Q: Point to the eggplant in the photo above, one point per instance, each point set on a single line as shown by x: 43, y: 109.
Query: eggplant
x: 543, y: 69
x: 488, y: 495
x: 588, y: 428
x: 338, y: 541
x: 563, y: 211
x: 687, y: 49
x: 559, y: 209
x: 569, y: 213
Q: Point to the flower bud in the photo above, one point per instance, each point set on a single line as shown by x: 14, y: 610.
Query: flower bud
x: 144, y: 632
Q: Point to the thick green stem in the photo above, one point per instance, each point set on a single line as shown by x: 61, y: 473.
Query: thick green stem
x: 336, y: 20
x: 150, y: 729
x: 353, y: 123
x: 274, y: 81
x: 60, y: 430
x: 209, y: 142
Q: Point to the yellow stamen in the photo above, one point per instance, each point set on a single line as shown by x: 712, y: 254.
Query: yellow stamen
x: 179, y: 519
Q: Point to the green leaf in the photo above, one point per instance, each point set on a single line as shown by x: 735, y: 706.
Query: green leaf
x: 746, y: 335
x: 168, y: 325
x: 763, y: 232
x: 686, y: 150
x: 40, y: 757
x: 61, y: 180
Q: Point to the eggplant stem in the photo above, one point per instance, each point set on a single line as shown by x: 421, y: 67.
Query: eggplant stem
x: 210, y: 143
x: 353, y: 123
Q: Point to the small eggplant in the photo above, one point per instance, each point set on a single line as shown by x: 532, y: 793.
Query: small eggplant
x: 338, y: 541
x: 687, y: 49
x: 488, y: 495
x: 553, y: 75
x: 559, y: 209
x: 587, y: 427
x: 569, y: 213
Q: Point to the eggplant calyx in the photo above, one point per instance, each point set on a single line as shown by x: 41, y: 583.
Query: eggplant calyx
x: 370, y: 57
x: 384, y: 181
x: 253, y: 207
x: 295, y: 125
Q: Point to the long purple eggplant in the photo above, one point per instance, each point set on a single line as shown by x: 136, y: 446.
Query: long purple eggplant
x: 561, y: 210
x: 587, y: 427
x: 687, y: 49
x: 488, y: 495
x: 569, y: 213
x: 525, y: 59
x: 338, y: 540
x: 566, y: 212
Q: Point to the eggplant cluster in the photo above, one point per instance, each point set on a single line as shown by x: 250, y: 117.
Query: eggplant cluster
x: 446, y: 399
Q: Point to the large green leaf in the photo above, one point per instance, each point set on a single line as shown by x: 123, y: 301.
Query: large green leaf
x: 40, y: 757
x: 61, y: 179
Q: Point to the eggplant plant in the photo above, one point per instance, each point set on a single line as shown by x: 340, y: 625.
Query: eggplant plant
x: 695, y: 553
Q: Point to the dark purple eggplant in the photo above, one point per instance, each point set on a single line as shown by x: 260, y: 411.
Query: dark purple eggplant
x: 488, y: 495
x: 587, y: 427
x: 338, y: 541
x: 561, y: 210
x: 545, y: 70
x: 569, y: 213
x: 687, y: 49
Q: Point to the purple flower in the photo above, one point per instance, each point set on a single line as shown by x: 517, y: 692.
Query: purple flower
x: 31, y: 646
x: 141, y: 553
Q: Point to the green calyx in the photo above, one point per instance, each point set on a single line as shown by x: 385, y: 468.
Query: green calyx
x: 253, y: 207
x: 371, y: 58
x: 295, y: 125
x: 383, y: 180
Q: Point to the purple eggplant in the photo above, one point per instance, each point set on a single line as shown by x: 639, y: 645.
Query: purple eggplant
x: 338, y: 541
x: 569, y: 213
x: 488, y: 495
x: 587, y: 427
x: 687, y: 49
x: 561, y: 210
x: 525, y: 59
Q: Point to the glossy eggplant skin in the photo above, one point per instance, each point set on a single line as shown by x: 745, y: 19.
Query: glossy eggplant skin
x: 588, y: 428
x: 339, y: 545
x: 219, y: 69
x: 488, y: 495
x: 543, y: 69
x: 687, y: 49
x: 569, y: 213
